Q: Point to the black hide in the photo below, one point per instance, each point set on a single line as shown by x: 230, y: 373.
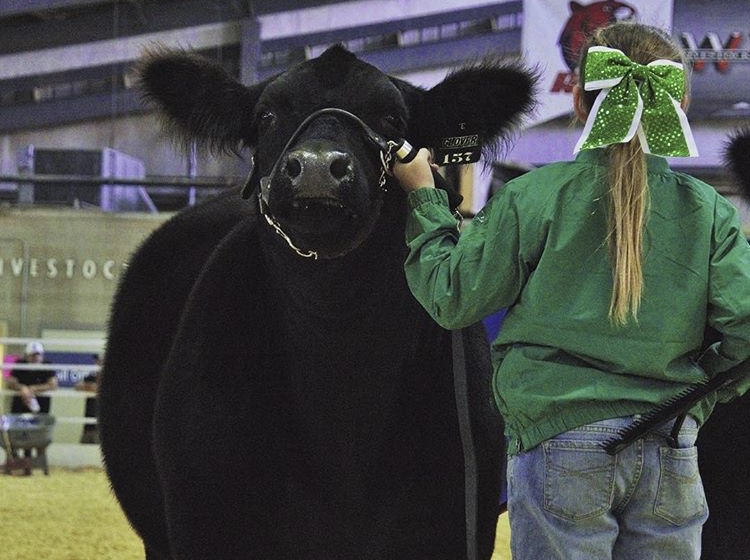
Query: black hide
x: 723, y: 443
x: 723, y: 458
x: 256, y: 404
x: 737, y: 157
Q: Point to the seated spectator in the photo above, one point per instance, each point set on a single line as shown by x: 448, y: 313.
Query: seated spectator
x: 30, y: 382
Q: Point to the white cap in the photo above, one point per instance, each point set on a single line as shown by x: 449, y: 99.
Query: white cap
x: 34, y: 348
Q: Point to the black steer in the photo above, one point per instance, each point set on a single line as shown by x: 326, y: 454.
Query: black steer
x: 271, y: 390
x: 723, y: 442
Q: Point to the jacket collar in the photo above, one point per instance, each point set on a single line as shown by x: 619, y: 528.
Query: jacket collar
x: 598, y: 156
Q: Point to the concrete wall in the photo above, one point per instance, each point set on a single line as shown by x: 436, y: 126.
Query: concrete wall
x: 59, y: 268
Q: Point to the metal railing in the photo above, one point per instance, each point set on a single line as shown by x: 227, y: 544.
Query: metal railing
x: 156, y: 193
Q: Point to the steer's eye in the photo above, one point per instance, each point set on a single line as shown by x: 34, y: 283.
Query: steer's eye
x: 265, y: 120
x: 393, y: 121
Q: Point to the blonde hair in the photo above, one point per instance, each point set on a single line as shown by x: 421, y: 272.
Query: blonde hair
x: 628, y: 184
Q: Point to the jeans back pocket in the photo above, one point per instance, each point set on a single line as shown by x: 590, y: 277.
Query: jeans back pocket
x: 579, y: 479
x: 680, y: 497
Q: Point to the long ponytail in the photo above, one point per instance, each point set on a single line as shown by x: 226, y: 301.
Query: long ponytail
x: 628, y: 205
x: 628, y: 185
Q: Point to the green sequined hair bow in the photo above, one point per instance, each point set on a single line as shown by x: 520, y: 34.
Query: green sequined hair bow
x: 636, y: 99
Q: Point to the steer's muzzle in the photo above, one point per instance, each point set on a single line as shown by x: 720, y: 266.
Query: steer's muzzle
x: 317, y: 173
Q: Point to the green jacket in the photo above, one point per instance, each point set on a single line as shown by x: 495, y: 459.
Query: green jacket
x: 539, y: 248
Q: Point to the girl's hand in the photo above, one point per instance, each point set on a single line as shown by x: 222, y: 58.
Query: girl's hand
x: 417, y: 173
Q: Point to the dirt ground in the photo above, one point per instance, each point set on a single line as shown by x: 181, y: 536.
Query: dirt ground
x: 68, y: 515
x: 72, y: 515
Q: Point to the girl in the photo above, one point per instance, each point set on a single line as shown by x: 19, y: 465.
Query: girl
x: 612, y: 266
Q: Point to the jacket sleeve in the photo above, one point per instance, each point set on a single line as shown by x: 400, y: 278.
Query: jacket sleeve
x: 729, y: 302
x: 460, y: 278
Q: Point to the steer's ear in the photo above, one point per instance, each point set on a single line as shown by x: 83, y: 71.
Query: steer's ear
x: 488, y: 99
x: 197, y: 99
x: 737, y: 155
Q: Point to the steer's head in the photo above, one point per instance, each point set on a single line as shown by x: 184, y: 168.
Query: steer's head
x: 317, y: 166
x: 320, y: 132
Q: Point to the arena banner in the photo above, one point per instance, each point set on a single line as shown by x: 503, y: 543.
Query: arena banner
x: 718, y: 44
x: 554, y: 31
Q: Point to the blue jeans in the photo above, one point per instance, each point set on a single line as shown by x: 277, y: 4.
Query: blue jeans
x: 569, y: 500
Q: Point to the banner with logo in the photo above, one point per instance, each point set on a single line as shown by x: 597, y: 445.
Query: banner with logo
x: 719, y: 47
x: 554, y: 31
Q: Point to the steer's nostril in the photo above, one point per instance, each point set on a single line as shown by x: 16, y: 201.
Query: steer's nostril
x: 341, y: 167
x: 293, y: 167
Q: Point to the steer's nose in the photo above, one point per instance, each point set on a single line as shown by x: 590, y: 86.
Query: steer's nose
x: 317, y: 172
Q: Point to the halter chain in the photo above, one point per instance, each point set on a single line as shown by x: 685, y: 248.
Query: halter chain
x: 386, y: 149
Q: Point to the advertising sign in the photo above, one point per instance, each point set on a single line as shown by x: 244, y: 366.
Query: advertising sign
x: 717, y: 40
x: 554, y: 31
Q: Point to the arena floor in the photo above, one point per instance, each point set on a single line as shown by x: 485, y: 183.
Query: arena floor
x: 72, y: 515
x: 68, y: 515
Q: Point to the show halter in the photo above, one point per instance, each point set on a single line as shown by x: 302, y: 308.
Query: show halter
x: 401, y: 148
x: 636, y: 99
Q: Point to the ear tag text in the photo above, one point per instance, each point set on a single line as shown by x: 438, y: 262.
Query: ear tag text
x: 457, y: 150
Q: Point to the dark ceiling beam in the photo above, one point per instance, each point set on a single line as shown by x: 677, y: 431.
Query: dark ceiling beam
x: 21, y: 7
x: 10, y: 8
x: 80, y: 21
x: 107, y: 22
x: 71, y: 110
x: 171, y: 24
x: 403, y: 60
x: 446, y: 52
